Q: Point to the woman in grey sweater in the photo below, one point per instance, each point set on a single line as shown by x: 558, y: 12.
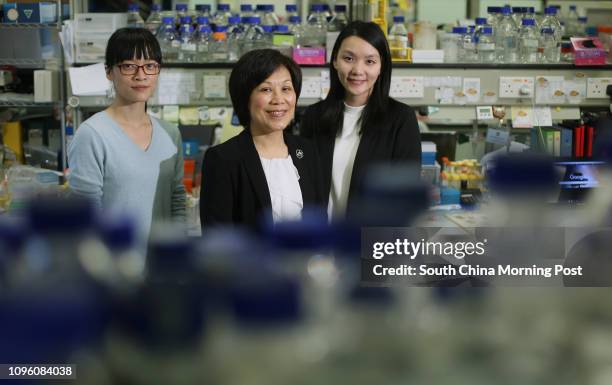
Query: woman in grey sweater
x: 122, y: 158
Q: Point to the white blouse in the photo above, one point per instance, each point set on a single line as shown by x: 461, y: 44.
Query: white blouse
x: 285, y: 193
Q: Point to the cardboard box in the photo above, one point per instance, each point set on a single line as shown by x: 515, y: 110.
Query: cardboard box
x: 37, y: 12
x: 46, y: 88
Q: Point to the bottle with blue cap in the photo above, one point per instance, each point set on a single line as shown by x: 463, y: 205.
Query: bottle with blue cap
x: 528, y: 42
x: 518, y: 13
x: 222, y: 16
x: 180, y: 11
x: 188, y: 50
x: 154, y: 20
x: 283, y: 40
x: 295, y: 28
x: 235, y: 34
x: 291, y: 10
x: 486, y: 45
x: 506, y: 38
x: 246, y: 11
x: 572, y: 21
x: 582, y: 26
x: 254, y: 36
x: 316, y: 27
x: 134, y: 20
x: 203, y: 43
x: 203, y: 10
x: 268, y: 36
x: 493, y: 16
x: 456, y: 55
x: 269, y: 16
x: 398, y: 38
x: 339, y: 20
x: 168, y: 40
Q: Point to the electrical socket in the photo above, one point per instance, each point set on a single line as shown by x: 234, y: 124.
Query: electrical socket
x: 407, y: 87
x: 516, y: 87
x: 596, y: 88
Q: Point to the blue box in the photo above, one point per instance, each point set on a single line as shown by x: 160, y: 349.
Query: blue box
x: 37, y: 12
x: 10, y: 13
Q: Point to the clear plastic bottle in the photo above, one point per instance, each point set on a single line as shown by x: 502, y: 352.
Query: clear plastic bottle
x: 506, y: 42
x: 268, y: 35
x: 203, y: 10
x: 528, y: 42
x: 291, y: 10
x: 259, y: 10
x: 518, y: 13
x: 470, y: 55
x: 283, y: 40
x: 188, y: 50
x: 398, y: 38
x: 551, y: 21
x: 222, y: 16
x: 460, y: 32
x: 254, y: 35
x: 234, y: 38
x: 246, y: 11
x: 493, y: 16
x: 582, y: 26
x: 339, y: 20
x: 327, y: 12
x: 486, y: 45
x: 154, y: 20
x: 316, y: 30
x: 168, y: 39
x: 219, y: 47
x: 572, y: 22
x: 204, y: 40
x: 269, y: 17
x: 180, y: 10
x: 549, y: 49
x: 134, y: 20
x: 295, y: 28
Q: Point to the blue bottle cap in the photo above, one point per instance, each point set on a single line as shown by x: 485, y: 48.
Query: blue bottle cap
x: 202, y: 20
x: 291, y: 7
x: 317, y: 8
x: 481, y: 20
x: 186, y: 20
x: 583, y: 19
x: 246, y: 8
x: 234, y: 20
x: 506, y: 11
x: 220, y: 28
x: 531, y: 9
x: 487, y: 30
x: 133, y: 7
x: 180, y: 7
x: 528, y: 22
x: 205, y: 28
x: 255, y: 20
x: 156, y: 7
x: 118, y: 233
x: 517, y: 9
x: 547, y: 30
x: 460, y: 29
x: 47, y: 215
x: 168, y: 20
x: 223, y: 7
x: 340, y: 8
x: 260, y: 7
x: 572, y: 7
x: 550, y: 11
x: 268, y: 28
x: 295, y: 19
x: 282, y: 28
x: 493, y: 9
x: 398, y: 19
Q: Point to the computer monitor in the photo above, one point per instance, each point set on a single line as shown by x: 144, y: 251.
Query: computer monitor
x: 577, y: 179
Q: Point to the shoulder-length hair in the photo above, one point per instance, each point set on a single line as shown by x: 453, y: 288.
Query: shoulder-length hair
x: 131, y: 43
x: 375, y: 111
x: 253, y: 68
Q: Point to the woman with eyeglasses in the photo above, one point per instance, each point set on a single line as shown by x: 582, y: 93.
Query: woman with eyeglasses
x: 122, y: 158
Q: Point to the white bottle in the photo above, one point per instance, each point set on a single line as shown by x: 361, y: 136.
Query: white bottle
x: 204, y: 41
x: 154, y: 20
x: 486, y: 46
x: 398, y: 38
x: 188, y: 50
x: 506, y: 41
x: 134, y: 20
x: 168, y: 39
x: 528, y: 42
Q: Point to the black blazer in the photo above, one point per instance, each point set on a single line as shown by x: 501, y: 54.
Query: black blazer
x: 397, y: 139
x: 234, y: 186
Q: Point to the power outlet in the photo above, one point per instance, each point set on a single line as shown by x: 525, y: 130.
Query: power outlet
x: 407, y: 87
x: 311, y: 87
x: 596, y: 88
x: 516, y: 87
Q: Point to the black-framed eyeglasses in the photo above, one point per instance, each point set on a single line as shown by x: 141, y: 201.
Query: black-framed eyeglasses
x: 132, y: 69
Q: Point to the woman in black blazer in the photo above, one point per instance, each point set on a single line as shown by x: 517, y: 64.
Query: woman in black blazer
x: 358, y: 124
x: 264, y: 170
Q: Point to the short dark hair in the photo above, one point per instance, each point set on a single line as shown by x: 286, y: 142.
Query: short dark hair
x: 130, y: 43
x: 251, y: 70
x: 376, y: 108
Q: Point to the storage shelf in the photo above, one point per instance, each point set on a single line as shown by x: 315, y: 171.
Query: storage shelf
x: 15, y: 103
x: 23, y: 63
x: 28, y: 25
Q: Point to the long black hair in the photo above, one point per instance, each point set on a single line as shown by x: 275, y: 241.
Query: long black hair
x: 375, y: 111
x: 130, y: 43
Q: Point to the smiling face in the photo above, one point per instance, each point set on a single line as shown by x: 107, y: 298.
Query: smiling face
x: 272, y: 103
x: 134, y: 87
x: 358, y: 66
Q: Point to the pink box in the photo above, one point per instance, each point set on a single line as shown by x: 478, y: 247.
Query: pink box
x: 588, y: 51
x: 309, y: 55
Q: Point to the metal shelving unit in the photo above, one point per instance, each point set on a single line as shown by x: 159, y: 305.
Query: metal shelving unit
x: 29, y: 25
x: 16, y: 103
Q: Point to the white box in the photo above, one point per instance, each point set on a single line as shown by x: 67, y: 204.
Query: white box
x: 90, y: 48
x: 427, y: 56
x: 46, y: 88
x: 99, y: 22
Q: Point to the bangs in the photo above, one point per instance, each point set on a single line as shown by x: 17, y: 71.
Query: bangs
x: 130, y: 44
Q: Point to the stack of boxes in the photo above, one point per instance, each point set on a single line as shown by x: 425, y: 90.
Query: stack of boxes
x: 91, y: 33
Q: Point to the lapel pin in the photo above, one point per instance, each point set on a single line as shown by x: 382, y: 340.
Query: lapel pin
x: 299, y: 153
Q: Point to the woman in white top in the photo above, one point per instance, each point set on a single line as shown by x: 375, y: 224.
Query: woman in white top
x: 358, y: 124
x: 264, y: 170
